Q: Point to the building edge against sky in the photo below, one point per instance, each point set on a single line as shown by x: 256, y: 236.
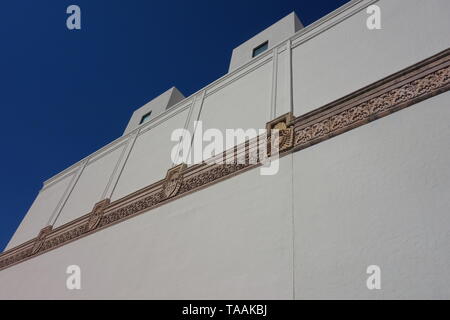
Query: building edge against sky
x: 373, y: 195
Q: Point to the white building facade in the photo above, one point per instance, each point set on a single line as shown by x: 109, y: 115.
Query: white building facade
x: 363, y: 177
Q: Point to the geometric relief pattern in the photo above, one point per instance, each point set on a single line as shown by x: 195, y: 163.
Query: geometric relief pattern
x: 384, y: 103
x: 285, y: 139
x: 419, y: 82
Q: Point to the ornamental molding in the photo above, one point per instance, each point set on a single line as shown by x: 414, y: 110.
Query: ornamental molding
x: 284, y: 125
x: 97, y: 214
x: 403, y: 89
x: 173, y: 181
x: 40, y: 239
x: 400, y: 90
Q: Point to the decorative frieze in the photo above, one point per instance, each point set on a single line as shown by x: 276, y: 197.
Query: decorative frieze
x: 40, y: 239
x: 97, y: 214
x: 419, y: 82
x: 356, y: 114
x: 285, y: 138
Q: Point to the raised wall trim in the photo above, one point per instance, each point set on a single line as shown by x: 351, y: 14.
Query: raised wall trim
x: 330, y: 20
x: 400, y: 90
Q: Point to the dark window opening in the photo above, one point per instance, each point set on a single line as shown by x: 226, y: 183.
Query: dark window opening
x: 260, y: 49
x: 145, y: 117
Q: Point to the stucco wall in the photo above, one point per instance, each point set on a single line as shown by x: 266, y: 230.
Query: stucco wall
x: 358, y: 199
x: 276, y: 33
x: 150, y: 157
x: 156, y: 106
x: 376, y: 195
x: 244, y: 103
x: 191, y: 248
x: 46, y: 205
x: 90, y: 186
x: 349, y: 56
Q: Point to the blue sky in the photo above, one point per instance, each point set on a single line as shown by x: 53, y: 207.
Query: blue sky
x: 65, y: 94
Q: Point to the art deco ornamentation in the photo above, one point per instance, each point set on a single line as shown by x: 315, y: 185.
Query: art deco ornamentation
x: 172, y: 183
x: 285, y: 138
x: 211, y: 174
x: 403, y: 89
x: 383, y: 104
x: 97, y: 214
x: 40, y: 239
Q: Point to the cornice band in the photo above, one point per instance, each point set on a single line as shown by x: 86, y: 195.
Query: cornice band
x: 400, y: 90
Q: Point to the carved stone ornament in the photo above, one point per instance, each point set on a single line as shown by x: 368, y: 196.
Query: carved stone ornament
x: 97, y: 214
x: 40, y: 239
x: 173, y: 181
x: 285, y: 139
x: 403, y: 89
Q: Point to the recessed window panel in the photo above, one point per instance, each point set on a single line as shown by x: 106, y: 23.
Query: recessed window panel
x: 145, y: 117
x: 260, y: 49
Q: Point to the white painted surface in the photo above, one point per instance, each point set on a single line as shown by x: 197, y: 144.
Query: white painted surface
x: 282, y: 105
x: 149, y: 159
x: 89, y: 188
x: 276, y: 33
x: 243, y: 103
x: 349, y: 56
x: 40, y: 212
x: 156, y: 106
x: 188, y: 249
x: 346, y: 217
x: 356, y: 203
x: 376, y: 195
